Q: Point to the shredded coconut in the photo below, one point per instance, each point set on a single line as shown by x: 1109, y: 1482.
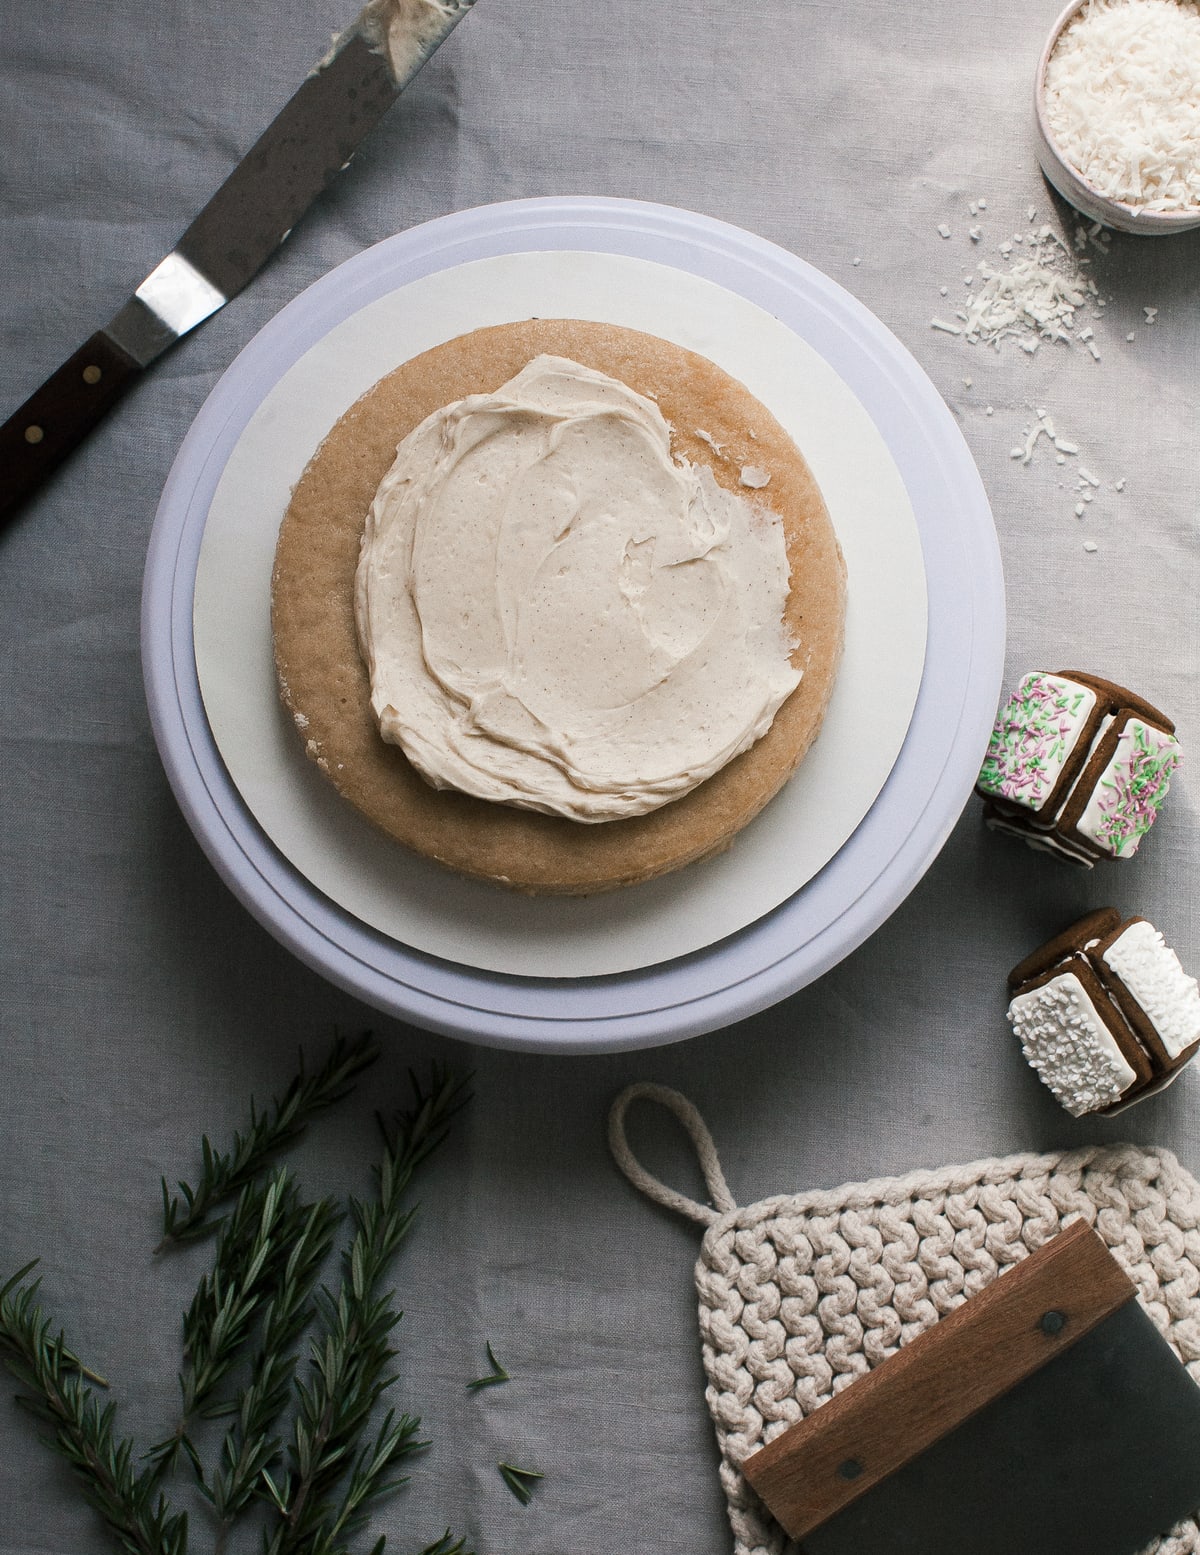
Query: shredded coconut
x: 1035, y: 299
x: 1122, y: 99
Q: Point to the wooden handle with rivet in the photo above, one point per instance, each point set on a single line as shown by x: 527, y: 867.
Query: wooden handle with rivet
x: 57, y: 417
x: 984, y: 1348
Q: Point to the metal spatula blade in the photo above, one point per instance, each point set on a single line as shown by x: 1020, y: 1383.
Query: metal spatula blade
x: 310, y: 140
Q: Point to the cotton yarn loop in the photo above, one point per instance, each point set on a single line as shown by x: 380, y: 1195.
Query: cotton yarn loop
x: 800, y: 1294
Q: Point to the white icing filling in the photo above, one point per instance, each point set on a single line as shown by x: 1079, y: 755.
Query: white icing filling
x: 1067, y: 1042
x: 1102, y: 729
x: 557, y: 614
x: 1152, y: 973
x: 1043, y: 841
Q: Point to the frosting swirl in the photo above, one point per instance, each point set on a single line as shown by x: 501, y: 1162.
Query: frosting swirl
x: 556, y: 613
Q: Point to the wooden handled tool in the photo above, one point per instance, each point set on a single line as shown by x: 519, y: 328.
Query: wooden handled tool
x: 1045, y: 1414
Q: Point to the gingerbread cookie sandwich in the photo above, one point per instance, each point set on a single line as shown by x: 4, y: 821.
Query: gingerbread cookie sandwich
x: 559, y: 605
x: 1105, y: 1013
x: 1077, y: 766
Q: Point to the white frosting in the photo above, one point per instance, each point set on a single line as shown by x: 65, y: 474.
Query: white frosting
x: 406, y: 32
x: 1068, y: 1043
x: 1035, y: 735
x: 558, y: 615
x: 1151, y: 972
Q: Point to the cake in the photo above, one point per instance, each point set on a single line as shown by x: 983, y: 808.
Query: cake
x: 1077, y: 766
x: 736, y: 450
x: 1105, y: 1013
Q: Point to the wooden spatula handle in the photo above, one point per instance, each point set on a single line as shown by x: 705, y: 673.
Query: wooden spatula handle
x: 57, y: 417
x: 985, y: 1347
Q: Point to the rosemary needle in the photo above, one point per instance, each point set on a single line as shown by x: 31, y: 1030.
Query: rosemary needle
x: 446, y: 1545
x: 496, y: 1375
x: 520, y: 1481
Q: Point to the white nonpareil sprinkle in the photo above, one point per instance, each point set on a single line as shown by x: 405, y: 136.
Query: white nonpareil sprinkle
x: 1122, y: 100
x: 1090, y: 546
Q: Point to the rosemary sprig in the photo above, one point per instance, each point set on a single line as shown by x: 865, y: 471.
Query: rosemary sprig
x: 83, y: 1430
x: 368, y: 1482
x: 186, y: 1216
x: 494, y: 1377
x: 249, y: 1312
x: 250, y: 1443
x: 254, y: 1247
x: 520, y: 1481
x: 351, y: 1356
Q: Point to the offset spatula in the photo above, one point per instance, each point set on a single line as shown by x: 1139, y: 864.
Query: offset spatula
x: 314, y: 136
x: 1044, y: 1416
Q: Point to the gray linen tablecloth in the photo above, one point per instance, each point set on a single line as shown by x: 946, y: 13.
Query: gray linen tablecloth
x: 141, y: 1005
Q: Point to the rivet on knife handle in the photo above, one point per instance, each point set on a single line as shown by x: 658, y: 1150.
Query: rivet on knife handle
x: 313, y: 136
x: 59, y: 415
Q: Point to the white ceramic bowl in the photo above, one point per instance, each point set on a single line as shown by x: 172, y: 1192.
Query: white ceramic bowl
x: 1071, y: 184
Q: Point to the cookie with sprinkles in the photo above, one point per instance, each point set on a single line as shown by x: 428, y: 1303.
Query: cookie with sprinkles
x: 1077, y: 766
x: 1105, y: 1013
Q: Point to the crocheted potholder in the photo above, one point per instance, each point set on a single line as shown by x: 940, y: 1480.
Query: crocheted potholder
x: 801, y: 1294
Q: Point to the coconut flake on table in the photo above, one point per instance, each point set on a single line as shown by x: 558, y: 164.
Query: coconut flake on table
x: 1122, y: 100
x: 1035, y: 299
